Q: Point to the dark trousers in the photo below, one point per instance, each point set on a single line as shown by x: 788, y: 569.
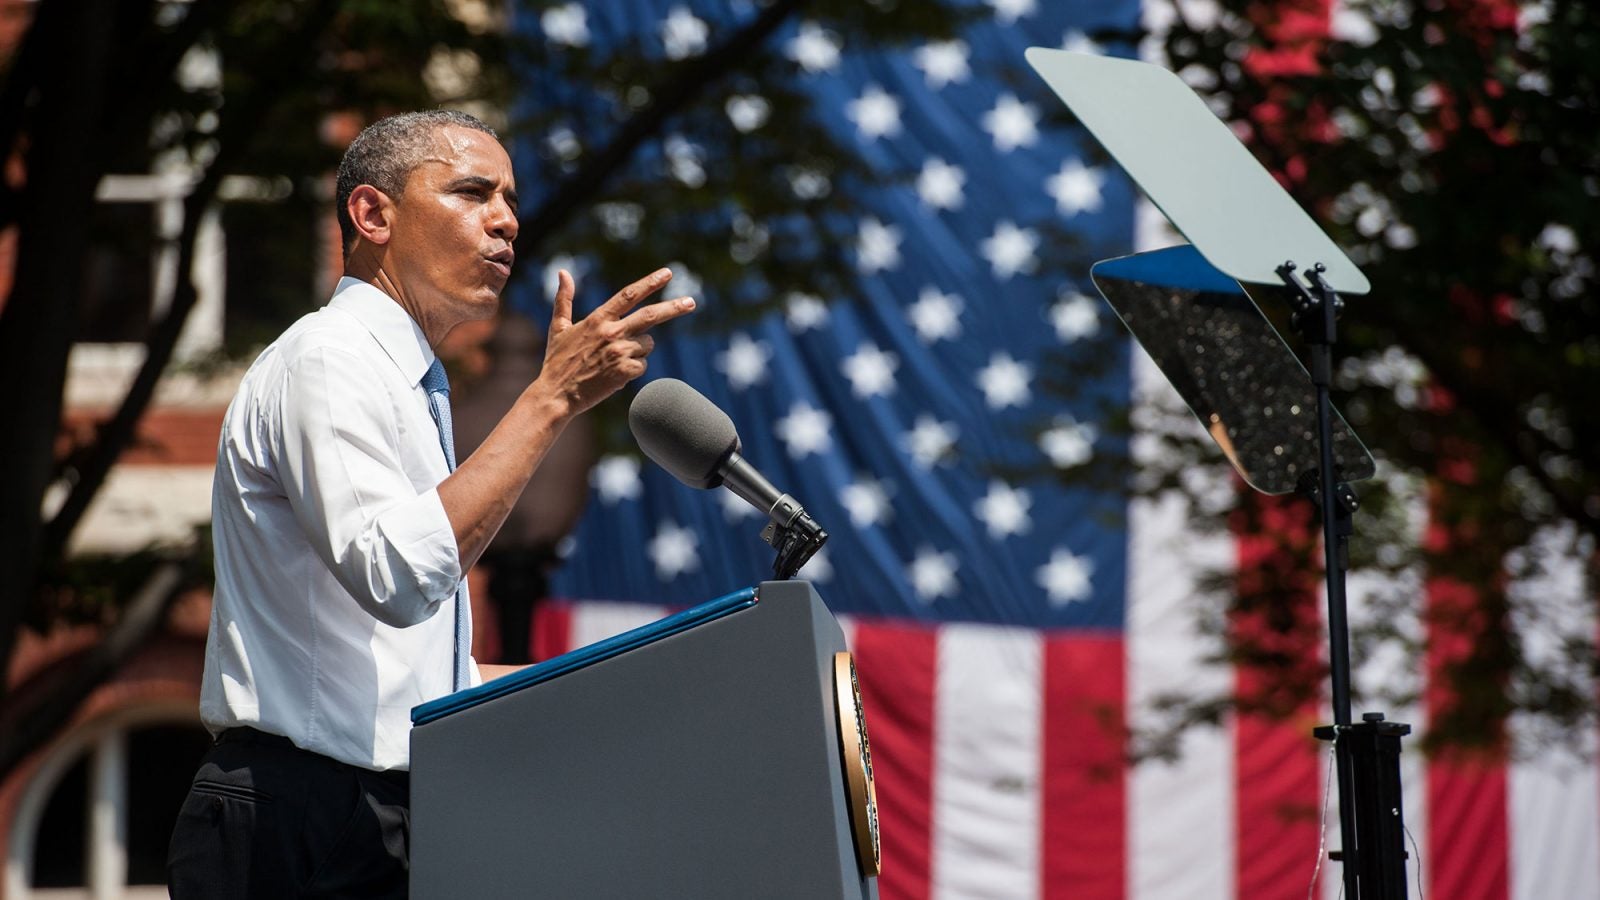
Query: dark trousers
x: 266, y: 819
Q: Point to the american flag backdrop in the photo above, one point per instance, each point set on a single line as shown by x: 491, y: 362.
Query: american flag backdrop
x: 1010, y: 621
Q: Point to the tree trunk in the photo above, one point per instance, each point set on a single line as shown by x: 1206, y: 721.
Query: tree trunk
x: 40, y: 316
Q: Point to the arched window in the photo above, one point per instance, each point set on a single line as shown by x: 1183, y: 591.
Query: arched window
x: 94, y: 820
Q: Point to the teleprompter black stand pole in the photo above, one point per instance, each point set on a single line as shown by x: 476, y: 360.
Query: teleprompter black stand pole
x: 1367, y: 756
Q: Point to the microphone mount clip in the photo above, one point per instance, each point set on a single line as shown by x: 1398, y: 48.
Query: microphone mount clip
x: 794, y: 534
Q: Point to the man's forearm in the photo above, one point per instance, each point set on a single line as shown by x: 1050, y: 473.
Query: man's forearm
x: 479, y: 494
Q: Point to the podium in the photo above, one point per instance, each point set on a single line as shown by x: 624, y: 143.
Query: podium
x: 700, y: 756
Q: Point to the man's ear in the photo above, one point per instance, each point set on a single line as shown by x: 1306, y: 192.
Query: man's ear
x: 372, y: 213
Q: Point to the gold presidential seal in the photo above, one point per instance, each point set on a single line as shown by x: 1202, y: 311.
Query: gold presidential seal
x: 863, y: 796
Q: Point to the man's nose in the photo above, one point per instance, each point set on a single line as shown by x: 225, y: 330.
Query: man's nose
x: 503, y: 220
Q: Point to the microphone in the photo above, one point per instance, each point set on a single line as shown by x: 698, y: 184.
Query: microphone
x: 686, y: 434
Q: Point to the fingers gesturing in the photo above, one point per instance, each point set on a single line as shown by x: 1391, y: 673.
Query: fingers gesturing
x: 562, y: 317
x: 590, y: 359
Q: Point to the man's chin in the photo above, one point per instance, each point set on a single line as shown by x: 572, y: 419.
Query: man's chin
x: 486, y: 306
x: 489, y: 296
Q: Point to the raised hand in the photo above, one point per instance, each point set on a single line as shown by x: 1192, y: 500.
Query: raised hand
x: 588, y: 361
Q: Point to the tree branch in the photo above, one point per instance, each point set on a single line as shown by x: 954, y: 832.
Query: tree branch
x: 128, y: 98
x: 1495, y: 413
x: 598, y: 167
x: 299, y: 46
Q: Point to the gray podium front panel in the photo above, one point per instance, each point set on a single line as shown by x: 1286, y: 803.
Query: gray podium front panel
x: 704, y: 765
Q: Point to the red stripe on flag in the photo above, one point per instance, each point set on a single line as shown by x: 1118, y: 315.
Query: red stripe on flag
x: 898, y: 665
x: 1278, y: 807
x: 1085, y: 797
x: 1469, y: 843
x: 552, y: 629
x: 1276, y: 631
x: 1468, y: 834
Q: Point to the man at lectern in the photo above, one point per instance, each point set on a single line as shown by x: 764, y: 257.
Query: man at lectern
x: 344, y: 526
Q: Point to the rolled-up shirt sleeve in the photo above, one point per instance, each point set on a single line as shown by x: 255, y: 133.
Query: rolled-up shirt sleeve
x: 391, y: 547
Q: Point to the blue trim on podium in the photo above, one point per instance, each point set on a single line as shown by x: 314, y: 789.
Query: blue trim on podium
x: 584, y: 656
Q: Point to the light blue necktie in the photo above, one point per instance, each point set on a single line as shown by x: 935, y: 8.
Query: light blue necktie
x: 437, y: 384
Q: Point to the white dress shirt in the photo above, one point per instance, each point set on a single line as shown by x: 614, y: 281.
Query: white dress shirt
x: 336, y: 567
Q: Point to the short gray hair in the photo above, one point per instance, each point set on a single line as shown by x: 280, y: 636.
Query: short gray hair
x: 385, y: 153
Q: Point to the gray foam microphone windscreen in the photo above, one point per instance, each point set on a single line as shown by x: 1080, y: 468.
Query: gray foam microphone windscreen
x: 681, y: 430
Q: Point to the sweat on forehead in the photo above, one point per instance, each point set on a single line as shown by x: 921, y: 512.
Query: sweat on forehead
x: 445, y: 144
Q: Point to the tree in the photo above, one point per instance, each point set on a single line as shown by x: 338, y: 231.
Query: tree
x: 1450, y: 148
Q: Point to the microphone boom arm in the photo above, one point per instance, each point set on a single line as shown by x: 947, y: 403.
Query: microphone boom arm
x: 789, y: 530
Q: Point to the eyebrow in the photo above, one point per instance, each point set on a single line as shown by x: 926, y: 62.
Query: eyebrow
x: 479, y: 181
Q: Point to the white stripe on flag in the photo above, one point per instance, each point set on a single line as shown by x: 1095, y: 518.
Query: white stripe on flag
x: 847, y: 624
x: 1553, y: 787
x: 1555, y: 841
x: 987, y: 749
x: 1180, y: 818
x: 1392, y: 670
x: 598, y: 620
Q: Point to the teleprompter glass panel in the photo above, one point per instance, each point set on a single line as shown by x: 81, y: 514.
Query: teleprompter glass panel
x: 1229, y: 364
x: 1191, y: 165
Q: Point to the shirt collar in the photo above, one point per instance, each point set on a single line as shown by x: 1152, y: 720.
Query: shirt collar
x: 395, y: 331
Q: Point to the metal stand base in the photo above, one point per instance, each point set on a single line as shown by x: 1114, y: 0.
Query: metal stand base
x: 1372, y: 749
